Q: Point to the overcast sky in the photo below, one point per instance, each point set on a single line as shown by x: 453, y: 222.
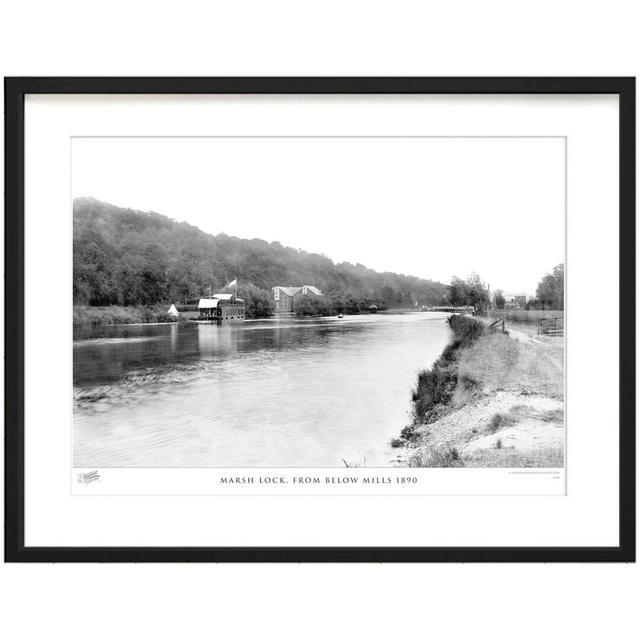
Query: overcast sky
x: 430, y: 207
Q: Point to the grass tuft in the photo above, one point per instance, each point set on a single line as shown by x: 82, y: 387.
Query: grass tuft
x: 554, y: 415
x: 437, y: 457
x: 354, y: 463
x: 500, y: 420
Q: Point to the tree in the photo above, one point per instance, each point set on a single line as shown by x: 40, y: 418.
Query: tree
x: 478, y: 292
x: 257, y: 302
x: 550, y: 291
x: 458, y: 293
x: 469, y: 292
x: 312, y: 306
x: 498, y: 299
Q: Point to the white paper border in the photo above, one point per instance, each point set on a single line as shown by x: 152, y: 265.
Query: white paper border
x: 586, y: 516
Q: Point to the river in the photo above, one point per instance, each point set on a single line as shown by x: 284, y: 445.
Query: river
x: 263, y: 393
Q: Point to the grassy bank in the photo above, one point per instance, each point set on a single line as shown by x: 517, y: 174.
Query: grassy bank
x: 488, y: 401
x: 98, y: 316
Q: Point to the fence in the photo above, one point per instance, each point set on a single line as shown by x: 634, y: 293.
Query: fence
x: 551, y: 326
x: 521, y: 316
x: 543, y: 322
x: 497, y: 325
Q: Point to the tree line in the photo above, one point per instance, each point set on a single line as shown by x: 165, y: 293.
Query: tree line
x: 550, y: 291
x: 470, y: 292
x: 134, y: 258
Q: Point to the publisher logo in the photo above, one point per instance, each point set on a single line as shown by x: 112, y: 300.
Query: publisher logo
x: 88, y: 477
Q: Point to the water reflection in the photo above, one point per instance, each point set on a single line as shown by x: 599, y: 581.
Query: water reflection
x: 261, y: 393
x: 214, y: 341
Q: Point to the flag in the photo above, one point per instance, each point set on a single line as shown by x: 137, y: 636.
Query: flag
x: 233, y: 283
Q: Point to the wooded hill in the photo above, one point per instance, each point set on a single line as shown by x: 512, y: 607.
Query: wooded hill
x: 127, y: 257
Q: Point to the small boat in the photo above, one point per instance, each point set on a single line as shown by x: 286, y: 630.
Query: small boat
x: 340, y: 315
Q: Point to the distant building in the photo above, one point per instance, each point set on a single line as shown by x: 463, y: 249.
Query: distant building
x: 284, y: 298
x: 515, y: 300
x: 221, y: 307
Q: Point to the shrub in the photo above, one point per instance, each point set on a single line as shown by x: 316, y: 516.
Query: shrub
x: 465, y: 328
x: 308, y: 306
x: 257, y: 302
x: 437, y: 457
x: 554, y: 415
x: 500, y: 420
x: 409, y: 433
x: 436, y: 385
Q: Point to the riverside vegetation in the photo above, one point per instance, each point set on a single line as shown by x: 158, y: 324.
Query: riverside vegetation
x: 490, y: 400
x: 114, y: 314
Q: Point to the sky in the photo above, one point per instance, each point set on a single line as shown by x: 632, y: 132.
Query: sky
x: 429, y: 207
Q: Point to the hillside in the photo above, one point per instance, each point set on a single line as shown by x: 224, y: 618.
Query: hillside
x: 127, y: 257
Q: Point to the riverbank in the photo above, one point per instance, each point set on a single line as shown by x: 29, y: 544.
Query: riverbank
x: 490, y: 400
x: 113, y: 315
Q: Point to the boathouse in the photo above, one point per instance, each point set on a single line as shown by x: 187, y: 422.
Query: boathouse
x: 222, y: 307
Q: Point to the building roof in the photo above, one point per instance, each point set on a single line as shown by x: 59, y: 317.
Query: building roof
x: 290, y: 291
x: 223, y: 296
x: 208, y: 303
x: 313, y: 289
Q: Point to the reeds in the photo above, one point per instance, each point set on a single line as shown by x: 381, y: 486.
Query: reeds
x: 99, y: 316
x: 522, y: 316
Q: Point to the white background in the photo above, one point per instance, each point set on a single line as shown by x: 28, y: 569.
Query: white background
x: 363, y: 38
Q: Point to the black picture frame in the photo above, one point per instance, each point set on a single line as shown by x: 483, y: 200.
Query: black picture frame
x: 15, y: 91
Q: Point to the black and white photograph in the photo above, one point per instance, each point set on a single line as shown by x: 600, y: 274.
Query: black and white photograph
x: 319, y: 301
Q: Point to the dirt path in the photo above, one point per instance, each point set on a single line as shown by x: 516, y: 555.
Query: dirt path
x: 512, y: 422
